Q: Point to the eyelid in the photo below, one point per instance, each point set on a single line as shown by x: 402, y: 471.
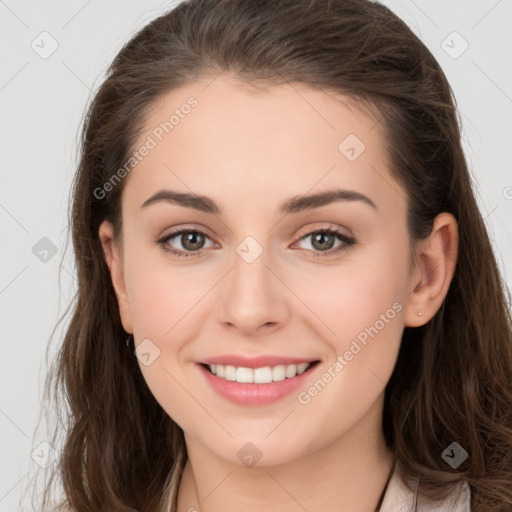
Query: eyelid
x: 319, y: 226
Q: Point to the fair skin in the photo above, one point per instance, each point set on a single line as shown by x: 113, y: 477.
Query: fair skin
x: 250, y: 151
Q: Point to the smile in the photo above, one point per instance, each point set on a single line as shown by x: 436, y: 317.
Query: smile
x: 256, y: 386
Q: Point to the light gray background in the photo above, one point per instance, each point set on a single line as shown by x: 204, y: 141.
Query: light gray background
x: 42, y: 102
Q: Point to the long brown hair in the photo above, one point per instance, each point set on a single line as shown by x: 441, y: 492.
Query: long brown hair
x: 453, y: 377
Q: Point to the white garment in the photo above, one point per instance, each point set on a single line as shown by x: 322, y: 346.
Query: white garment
x: 399, y: 498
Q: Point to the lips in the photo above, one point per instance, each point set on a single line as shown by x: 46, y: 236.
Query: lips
x: 256, y: 394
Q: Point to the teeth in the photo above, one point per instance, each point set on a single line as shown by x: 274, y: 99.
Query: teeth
x: 258, y: 375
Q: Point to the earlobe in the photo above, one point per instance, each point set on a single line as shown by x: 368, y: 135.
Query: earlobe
x: 435, y: 263
x: 114, y: 262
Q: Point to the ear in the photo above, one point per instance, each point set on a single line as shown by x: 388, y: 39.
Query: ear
x: 432, y: 271
x: 114, y: 261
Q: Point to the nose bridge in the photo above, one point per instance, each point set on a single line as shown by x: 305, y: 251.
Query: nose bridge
x: 253, y: 295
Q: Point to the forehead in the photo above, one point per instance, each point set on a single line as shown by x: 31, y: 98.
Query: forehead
x: 221, y: 137
x: 241, y: 110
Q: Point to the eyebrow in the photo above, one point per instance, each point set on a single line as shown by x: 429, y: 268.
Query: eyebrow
x: 293, y: 205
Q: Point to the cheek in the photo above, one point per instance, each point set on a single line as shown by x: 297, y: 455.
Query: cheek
x: 168, y: 304
x: 160, y: 292
x: 164, y: 308
x: 154, y: 303
x: 353, y: 294
x: 360, y: 307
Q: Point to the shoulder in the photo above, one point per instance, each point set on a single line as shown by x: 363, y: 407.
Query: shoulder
x: 458, y: 501
x: 400, y: 498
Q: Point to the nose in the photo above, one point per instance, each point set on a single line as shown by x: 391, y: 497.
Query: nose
x: 254, y: 299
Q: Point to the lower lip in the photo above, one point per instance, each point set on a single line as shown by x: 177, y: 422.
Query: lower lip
x: 256, y: 394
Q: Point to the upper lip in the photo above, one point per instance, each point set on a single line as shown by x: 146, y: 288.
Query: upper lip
x: 255, y: 362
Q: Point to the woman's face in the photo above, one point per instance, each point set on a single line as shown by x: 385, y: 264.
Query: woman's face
x: 263, y: 280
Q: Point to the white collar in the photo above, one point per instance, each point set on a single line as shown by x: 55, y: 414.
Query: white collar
x: 400, y: 498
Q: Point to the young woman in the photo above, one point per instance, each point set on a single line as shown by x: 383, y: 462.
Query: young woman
x: 287, y: 297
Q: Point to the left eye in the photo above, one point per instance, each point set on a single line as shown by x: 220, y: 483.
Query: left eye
x: 323, y: 240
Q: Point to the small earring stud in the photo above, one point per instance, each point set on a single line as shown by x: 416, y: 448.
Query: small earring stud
x: 420, y: 314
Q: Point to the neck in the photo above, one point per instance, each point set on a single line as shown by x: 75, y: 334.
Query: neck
x: 349, y: 473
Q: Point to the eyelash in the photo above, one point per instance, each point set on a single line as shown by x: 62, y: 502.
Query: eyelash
x: 348, y: 242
